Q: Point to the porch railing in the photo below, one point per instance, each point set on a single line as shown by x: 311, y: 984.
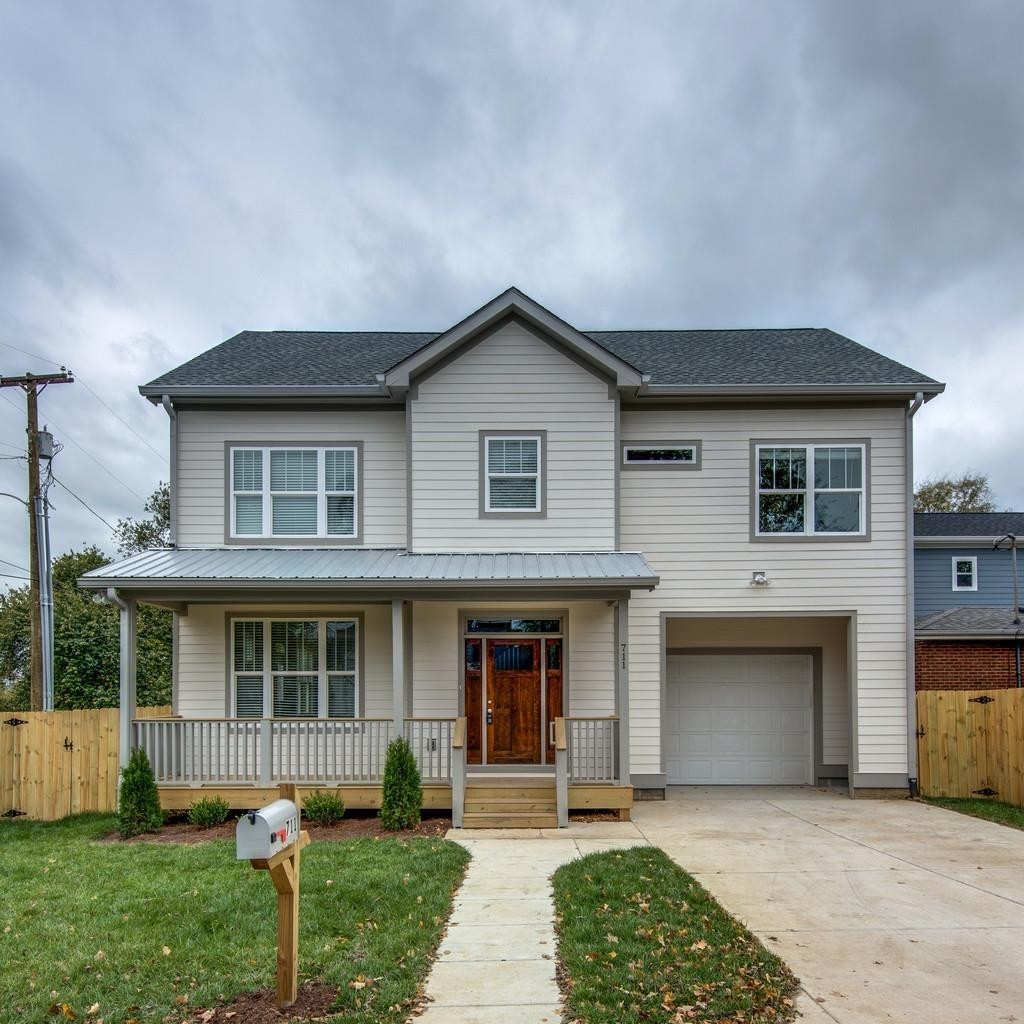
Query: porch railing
x: 431, y: 742
x: 592, y: 749
x: 265, y: 751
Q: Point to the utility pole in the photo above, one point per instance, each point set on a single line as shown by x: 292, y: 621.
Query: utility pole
x: 32, y: 384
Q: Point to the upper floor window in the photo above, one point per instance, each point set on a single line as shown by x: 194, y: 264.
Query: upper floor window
x: 513, y: 473
x: 810, y: 490
x: 294, y: 492
x: 294, y: 668
x: 678, y: 454
x: 965, y: 573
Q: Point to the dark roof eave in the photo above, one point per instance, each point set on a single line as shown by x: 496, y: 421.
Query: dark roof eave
x: 215, y: 392
x: 929, y: 390
x: 963, y: 634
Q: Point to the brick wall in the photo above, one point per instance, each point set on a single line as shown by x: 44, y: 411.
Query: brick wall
x: 964, y: 664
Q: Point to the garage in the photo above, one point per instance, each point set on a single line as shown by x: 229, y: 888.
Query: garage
x: 739, y: 719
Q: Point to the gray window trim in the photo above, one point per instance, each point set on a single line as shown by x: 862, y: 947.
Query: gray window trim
x: 810, y: 538
x: 973, y: 559
x: 294, y: 614
x: 542, y: 483
x: 677, y: 466
x: 269, y: 540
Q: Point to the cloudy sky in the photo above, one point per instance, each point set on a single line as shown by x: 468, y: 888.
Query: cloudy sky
x: 173, y: 173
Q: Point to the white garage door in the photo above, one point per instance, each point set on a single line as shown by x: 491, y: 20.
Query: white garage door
x: 739, y: 719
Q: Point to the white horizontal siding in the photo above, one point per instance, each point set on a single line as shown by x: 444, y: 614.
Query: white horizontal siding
x: 202, y: 433
x: 694, y: 528
x: 203, y: 654
x: 513, y: 380
x: 438, y: 645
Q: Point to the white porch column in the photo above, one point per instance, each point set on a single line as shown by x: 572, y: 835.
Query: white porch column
x: 127, y: 667
x: 398, y: 666
x: 622, y: 685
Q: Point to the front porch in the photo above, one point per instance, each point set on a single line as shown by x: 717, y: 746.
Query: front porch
x: 244, y: 760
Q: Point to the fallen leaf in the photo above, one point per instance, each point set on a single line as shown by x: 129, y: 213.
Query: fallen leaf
x: 166, y: 951
x: 100, y: 955
x: 181, y: 1000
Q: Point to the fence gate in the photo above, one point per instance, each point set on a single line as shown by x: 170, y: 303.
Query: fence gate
x: 971, y: 744
x: 55, y: 763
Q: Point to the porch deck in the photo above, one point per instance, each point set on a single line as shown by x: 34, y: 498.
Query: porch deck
x: 243, y: 760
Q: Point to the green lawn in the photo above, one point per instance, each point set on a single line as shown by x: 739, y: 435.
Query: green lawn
x: 990, y: 810
x: 152, y: 931
x: 641, y: 941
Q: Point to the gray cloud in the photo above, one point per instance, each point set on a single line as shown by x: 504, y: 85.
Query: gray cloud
x: 170, y: 174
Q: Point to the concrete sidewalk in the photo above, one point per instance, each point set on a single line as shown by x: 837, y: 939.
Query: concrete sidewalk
x: 497, y: 961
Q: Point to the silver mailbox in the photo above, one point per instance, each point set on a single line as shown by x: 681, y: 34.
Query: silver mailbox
x: 260, y: 834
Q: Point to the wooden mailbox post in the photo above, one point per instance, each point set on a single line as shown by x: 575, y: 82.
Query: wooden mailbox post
x: 284, y: 873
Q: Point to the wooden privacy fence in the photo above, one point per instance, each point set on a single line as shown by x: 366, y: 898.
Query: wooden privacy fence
x: 971, y: 743
x: 55, y: 763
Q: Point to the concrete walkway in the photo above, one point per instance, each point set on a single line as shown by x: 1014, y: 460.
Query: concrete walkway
x: 496, y: 965
x: 889, y: 912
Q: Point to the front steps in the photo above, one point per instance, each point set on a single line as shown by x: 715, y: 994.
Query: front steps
x: 524, y: 802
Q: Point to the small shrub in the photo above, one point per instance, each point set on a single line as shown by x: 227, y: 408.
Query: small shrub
x: 402, y: 795
x: 323, y: 808
x: 139, y: 805
x: 209, y: 812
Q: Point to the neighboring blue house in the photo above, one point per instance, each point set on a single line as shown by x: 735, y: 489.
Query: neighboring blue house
x: 965, y: 628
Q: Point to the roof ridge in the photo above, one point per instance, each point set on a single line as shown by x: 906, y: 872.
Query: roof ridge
x: 697, y: 330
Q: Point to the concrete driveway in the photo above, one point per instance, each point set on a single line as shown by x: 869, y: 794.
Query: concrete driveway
x: 886, y: 910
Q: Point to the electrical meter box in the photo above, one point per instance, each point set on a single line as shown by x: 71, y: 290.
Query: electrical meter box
x: 261, y: 834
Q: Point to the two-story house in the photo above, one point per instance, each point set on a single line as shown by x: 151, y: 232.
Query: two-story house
x: 615, y: 559
x: 968, y: 635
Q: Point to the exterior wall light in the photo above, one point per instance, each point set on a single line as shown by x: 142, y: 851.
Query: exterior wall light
x: 759, y: 578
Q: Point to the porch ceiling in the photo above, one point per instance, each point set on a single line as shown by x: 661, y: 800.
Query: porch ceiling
x: 377, y: 572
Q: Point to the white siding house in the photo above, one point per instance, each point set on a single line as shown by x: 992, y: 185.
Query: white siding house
x: 634, y: 558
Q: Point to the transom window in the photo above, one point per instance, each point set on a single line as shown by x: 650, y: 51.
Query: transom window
x: 506, y: 625
x: 512, y: 472
x: 810, y: 490
x: 308, y: 668
x: 965, y: 573
x: 294, y: 492
x: 682, y: 453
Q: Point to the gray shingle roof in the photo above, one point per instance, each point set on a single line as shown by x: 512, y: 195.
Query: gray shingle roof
x: 968, y: 524
x: 801, y: 356
x: 372, y: 568
x: 966, y: 620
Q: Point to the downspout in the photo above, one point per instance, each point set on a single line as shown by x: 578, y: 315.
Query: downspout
x: 165, y: 401
x: 911, y: 660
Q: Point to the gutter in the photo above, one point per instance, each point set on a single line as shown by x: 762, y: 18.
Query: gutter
x: 911, y: 669
x: 165, y: 401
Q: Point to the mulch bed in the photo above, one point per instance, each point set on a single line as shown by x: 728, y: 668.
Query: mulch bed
x: 352, y: 826
x: 260, y: 1007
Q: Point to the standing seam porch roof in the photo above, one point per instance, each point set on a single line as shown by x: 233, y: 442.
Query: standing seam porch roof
x: 372, y: 568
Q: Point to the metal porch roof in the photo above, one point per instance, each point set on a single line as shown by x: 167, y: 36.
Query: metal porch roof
x: 176, y: 568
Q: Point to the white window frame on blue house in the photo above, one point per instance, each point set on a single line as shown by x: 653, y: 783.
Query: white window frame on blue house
x: 957, y: 573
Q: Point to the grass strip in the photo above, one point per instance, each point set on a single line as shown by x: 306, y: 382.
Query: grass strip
x: 640, y: 941
x: 148, y: 932
x: 976, y: 807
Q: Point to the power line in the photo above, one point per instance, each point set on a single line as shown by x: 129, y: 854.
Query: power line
x: 14, y: 564
x: 82, y: 502
x: 85, y: 451
x: 11, y: 576
x: 78, y: 377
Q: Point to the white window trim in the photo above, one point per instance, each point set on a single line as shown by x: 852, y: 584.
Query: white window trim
x: 268, y: 675
x: 538, y: 504
x: 693, y: 462
x: 973, y: 559
x: 321, y: 493
x: 809, y: 491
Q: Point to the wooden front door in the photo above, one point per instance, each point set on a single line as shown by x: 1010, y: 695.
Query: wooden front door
x: 513, y: 711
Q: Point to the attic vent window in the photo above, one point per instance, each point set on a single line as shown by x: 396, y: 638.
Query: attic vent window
x: 675, y: 454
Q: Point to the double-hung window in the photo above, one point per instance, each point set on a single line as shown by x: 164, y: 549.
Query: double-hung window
x: 513, y: 473
x: 294, y: 492
x: 294, y: 668
x: 965, y: 573
x: 810, y: 490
